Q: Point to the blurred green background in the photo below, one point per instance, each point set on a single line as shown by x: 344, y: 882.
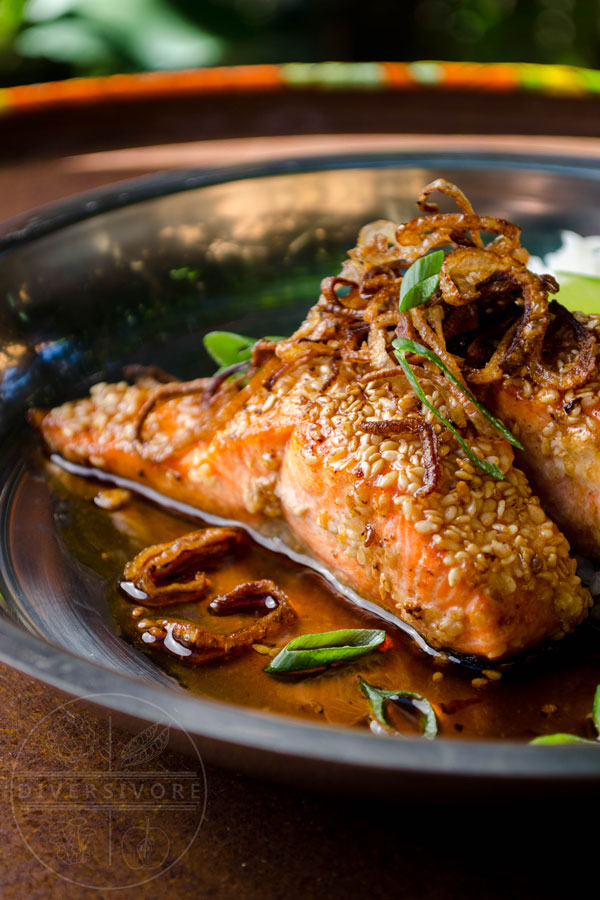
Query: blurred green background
x: 49, y: 39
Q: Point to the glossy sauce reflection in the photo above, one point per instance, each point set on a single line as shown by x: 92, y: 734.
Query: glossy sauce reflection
x: 555, y: 694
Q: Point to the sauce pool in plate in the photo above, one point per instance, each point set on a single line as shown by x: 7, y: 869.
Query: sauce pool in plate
x: 550, y: 693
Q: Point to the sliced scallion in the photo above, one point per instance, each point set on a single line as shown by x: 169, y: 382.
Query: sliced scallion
x: 413, y: 347
x: 488, y: 467
x: 378, y: 698
x: 315, y: 651
x: 421, y: 280
x: 402, y: 346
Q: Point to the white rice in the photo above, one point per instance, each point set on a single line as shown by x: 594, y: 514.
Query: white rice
x: 577, y: 254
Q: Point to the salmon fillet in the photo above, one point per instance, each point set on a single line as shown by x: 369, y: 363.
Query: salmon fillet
x: 472, y: 562
x: 560, y: 430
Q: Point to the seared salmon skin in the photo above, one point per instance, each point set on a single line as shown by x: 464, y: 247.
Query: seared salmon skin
x: 370, y: 482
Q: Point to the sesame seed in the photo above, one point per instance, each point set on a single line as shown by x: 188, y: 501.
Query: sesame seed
x: 390, y: 479
x: 536, y: 513
x: 454, y: 576
x: 450, y: 513
x: 426, y: 527
x: 492, y: 674
x: 377, y: 467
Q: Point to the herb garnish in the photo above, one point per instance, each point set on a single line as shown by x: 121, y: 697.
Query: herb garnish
x: 419, y: 283
x: 553, y: 739
x: 402, y: 346
x: 413, y: 347
x: 377, y: 698
x: 421, y: 280
x: 315, y: 651
x: 228, y: 348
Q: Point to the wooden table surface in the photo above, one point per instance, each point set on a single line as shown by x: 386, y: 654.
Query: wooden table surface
x: 263, y: 841
x: 260, y: 842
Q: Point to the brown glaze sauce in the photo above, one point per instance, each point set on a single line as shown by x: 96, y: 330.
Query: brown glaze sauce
x: 551, y: 694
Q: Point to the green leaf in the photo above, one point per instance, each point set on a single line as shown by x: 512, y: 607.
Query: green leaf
x: 377, y: 699
x: 148, y: 34
x: 596, y: 710
x: 228, y: 348
x: 580, y: 293
x: 413, y: 347
x: 421, y: 280
x: 555, y: 739
x: 66, y: 40
x: 314, y: 651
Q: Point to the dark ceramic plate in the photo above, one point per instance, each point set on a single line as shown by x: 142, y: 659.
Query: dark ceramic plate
x: 137, y: 273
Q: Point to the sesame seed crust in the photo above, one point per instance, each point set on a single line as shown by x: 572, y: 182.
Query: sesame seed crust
x: 474, y: 565
x: 486, y: 538
x: 561, y: 433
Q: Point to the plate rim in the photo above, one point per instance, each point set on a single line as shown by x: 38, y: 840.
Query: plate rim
x: 39, y: 221
x: 224, y: 724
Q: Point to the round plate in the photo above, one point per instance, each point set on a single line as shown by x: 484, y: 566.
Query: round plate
x: 137, y: 273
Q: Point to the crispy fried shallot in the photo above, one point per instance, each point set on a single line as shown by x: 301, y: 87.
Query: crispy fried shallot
x: 251, y: 596
x: 221, y: 377
x: 197, y: 645
x: 166, y: 392
x: 575, y: 373
x: 481, y: 278
x: 441, y: 186
x: 328, y: 286
x: 173, y: 572
x: 293, y: 363
x: 489, y: 317
x: 137, y: 371
x: 382, y: 374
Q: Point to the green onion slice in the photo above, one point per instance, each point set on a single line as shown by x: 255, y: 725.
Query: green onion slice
x: 555, y: 739
x: 402, y: 346
x: 377, y: 699
x: 420, y: 280
x: 228, y: 348
x: 413, y: 347
x: 314, y: 651
x: 488, y: 467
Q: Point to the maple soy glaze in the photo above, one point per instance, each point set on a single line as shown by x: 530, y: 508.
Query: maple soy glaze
x: 551, y: 694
